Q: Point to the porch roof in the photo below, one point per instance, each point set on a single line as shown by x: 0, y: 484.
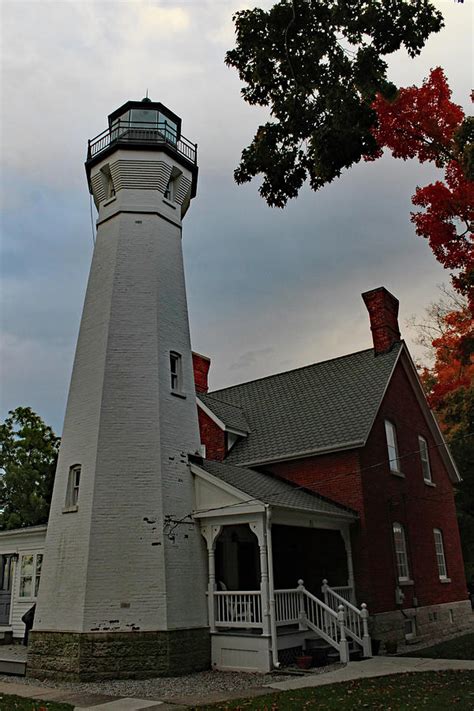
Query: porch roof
x: 268, y: 489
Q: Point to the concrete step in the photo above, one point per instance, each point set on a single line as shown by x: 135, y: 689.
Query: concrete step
x: 12, y: 666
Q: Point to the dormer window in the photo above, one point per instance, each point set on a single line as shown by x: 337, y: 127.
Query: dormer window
x: 172, y: 184
x: 107, y: 181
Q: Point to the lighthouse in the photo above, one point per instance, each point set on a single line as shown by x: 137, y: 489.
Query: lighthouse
x: 123, y: 584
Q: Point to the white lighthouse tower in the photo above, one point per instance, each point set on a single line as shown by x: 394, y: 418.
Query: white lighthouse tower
x: 124, y: 576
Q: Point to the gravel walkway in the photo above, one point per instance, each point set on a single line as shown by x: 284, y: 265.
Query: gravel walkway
x: 202, y: 684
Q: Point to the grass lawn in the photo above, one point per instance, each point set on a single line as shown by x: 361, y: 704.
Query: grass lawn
x: 18, y: 703
x: 459, y: 648
x: 430, y: 691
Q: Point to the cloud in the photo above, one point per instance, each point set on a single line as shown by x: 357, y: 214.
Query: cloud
x: 155, y: 18
x: 250, y: 358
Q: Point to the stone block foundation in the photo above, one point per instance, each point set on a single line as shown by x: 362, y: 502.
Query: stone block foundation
x: 91, y: 656
x: 432, y: 622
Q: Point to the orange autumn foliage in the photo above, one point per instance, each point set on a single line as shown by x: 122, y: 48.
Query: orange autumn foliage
x: 454, y: 358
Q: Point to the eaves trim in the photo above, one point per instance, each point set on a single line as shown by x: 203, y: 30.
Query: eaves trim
x: 356, y: 444
x: 218, y: 421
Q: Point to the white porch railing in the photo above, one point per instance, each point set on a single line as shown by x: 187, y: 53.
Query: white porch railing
x: 334, y: 619
x: 327, y: 623
x: 355, y: 620
x: 287, y: 607
x: 238, y: 609
x: 345, y: 591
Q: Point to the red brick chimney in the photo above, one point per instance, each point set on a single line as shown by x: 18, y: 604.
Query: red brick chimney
x: 201, y: 365
x: 383, y: 313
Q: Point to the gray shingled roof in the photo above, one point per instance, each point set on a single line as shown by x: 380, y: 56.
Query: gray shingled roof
x: 271, y: 490
x: 231, y: 415
x: 319, y: 408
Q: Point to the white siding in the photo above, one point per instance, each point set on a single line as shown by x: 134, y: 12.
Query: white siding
x: 21, y: 541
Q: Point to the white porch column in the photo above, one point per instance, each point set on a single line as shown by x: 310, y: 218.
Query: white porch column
x: 259, y: 530
x: 346, y: 536
x: 211, y: 533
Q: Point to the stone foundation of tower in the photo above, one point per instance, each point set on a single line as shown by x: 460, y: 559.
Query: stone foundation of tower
x: 89, y: 656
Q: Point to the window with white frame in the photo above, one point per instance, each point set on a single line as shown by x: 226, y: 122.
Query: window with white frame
x: 439, y: 547
x: 73, y: 484
x: 392, y: 446
x: 30, y: 573
x: 401, y: 557
x: 425, y: 459
x: 175, y: 371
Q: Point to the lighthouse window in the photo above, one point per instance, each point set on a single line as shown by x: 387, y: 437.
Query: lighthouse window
x: 72, y: 495
x: 175, y: 371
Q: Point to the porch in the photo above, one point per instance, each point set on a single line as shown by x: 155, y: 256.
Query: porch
x: 268, y: 570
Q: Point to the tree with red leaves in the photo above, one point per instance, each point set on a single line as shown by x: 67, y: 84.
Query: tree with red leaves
x: 448, y: 335
x: 423, y: 123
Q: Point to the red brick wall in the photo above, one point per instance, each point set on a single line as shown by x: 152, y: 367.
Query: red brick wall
x: 382, y: 498
x: 411, y: 502
x: 201, y: 365
x: 212, y: 436
x: 337, y: 477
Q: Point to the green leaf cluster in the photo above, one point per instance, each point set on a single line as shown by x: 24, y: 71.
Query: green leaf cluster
x: 28, y: 456
x: 317, y: 64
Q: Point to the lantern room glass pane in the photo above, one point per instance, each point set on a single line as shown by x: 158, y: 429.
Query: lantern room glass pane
x: 141, y: 117
x: 168, y: 128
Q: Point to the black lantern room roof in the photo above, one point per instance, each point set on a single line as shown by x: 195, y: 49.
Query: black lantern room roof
x: 146, y: 104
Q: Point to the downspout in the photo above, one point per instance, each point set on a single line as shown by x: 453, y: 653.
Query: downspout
x: 271, y: 588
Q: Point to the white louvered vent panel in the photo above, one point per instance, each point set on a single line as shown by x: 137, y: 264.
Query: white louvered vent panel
x: 98, y: 188
x: 140, y: 174
x: 183, y: 187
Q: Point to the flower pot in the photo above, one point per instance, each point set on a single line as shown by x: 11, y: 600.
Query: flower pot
x: 304, y: 662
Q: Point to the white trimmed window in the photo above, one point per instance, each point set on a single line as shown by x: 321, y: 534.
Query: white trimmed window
x: 401, y: 557
x: 72, y: 495
x: 175, y: 371
x: 392, y: 447
x: 439, y: 547
x: 30, y: 573
x: 425, y: 459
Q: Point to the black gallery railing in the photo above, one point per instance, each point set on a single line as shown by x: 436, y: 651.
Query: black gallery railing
x: 140, y: 132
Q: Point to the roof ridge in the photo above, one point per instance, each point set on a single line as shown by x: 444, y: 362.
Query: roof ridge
x: 291, y: 370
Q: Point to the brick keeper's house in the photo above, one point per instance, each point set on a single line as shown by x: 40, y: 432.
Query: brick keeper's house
x: 325, y: 496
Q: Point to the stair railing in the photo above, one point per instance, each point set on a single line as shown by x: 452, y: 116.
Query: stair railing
x: 356, y: 621
x: 328, y: 624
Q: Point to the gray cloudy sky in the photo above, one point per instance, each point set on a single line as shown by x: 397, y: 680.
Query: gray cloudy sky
x: 268, y: 290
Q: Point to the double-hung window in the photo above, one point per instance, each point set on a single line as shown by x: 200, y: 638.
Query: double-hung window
x: 425, y: 460
x: 175, y: 371
x: 74, y: 480
x: 392, y: 447
x: 439, y: 547
x: 401, y: 557
x: 30, y: 573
